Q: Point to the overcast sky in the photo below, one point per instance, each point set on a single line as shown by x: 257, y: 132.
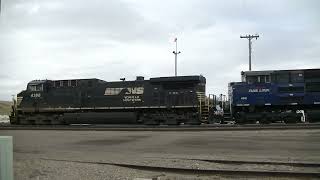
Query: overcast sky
x: 110, y: 39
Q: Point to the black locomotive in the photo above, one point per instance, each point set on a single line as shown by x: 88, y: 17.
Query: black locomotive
x: 163, y: 100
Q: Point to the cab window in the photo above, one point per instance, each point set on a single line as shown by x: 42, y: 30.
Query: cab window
x: 36, y: 87
x: 252, y: 79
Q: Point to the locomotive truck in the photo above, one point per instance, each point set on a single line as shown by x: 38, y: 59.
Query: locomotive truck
x: 162, y: 100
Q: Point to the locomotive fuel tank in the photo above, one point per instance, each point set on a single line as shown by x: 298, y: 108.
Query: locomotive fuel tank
x: 101, y: 118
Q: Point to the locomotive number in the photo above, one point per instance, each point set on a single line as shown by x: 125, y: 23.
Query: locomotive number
x: 35, y: 95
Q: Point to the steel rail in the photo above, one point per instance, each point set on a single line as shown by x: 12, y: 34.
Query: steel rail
x: 240, y: 162
x: 160, y: 128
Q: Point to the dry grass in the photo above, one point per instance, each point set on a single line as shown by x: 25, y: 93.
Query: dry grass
x: 5, y: 107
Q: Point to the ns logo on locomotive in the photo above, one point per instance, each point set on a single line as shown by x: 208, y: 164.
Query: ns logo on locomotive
x: 288, y: 96
x: 129, y: 90
x: 131, y: 93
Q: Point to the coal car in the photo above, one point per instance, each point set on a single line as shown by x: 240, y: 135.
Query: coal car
x: 278, y: 95
x: 162, y: 100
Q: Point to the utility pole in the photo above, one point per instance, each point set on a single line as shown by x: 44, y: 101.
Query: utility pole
x: 250, y: 37
x: 176, y: 56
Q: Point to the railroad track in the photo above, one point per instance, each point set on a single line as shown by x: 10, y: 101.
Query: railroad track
x: 204, y: 127
x: 239, y: 162
x: 211, y: 171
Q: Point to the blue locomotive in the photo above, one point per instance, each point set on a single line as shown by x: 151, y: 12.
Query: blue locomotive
x: 278, y: 95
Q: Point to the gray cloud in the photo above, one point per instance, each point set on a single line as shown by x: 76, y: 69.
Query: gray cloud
x: 65, y: 20
x: 42, y: 39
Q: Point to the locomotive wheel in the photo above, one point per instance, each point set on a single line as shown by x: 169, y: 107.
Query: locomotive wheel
x: 241, y: 118
x: 264, y: 120
x: 241, y: 121
x: 290, y: 120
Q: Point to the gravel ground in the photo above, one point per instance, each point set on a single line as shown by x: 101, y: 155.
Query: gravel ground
x: 35, y: 152
x: 52, y: 170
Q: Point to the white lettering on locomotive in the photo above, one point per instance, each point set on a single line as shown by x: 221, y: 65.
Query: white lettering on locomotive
x: 244, y: 98
x: 129, y: 90
x: 135, y: 90
x: 35, y: 95
x: 263, y: 90
x: 132, y: 99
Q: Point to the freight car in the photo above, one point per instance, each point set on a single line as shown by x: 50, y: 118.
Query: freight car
x: 163, y: 100
x: 269, y: 96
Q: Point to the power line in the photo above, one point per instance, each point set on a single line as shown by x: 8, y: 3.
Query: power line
x: 250, y: 37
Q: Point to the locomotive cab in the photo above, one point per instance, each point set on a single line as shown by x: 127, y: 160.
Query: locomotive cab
x: 252, y: 77
x: 33, y: 95
x: 35, y: 87
x: 28, y: 100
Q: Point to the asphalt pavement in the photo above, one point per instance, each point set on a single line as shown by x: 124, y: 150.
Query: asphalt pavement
x: 47, y: 154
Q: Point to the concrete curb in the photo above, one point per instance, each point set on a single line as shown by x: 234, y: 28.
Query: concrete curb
x: 6, y: 158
